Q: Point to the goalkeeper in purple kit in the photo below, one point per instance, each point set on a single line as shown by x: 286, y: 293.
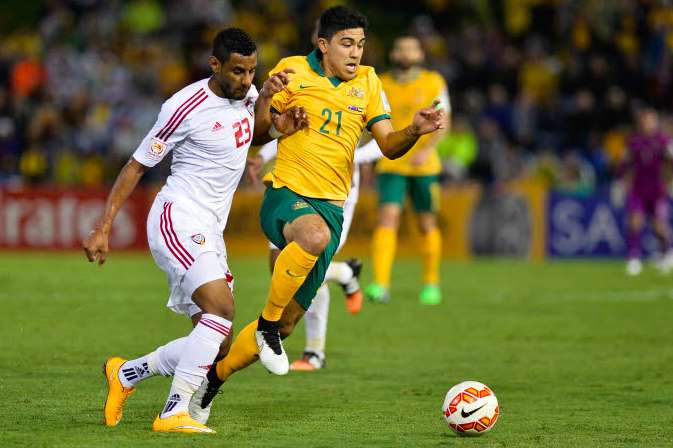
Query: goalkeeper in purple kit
x: 645, y: 169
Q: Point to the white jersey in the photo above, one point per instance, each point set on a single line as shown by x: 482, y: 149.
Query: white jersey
x: 209, y: 137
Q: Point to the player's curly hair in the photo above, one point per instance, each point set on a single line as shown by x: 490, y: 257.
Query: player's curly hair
x: 339, y: 18
x: 232, y: 40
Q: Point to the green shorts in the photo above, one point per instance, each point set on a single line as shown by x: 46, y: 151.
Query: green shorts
x: 282, y: 205
x: 423, y: 190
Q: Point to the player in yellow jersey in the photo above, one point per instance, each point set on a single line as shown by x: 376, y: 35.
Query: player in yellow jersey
x: 414, y: 174
x: 302, y: 209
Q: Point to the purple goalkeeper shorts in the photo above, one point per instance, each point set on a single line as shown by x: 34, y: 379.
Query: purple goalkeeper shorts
x: 650, y: 205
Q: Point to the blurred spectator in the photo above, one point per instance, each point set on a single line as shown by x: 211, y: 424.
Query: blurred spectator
x: 576, y: 175
x: 457, y: 149
x: 528, y: 79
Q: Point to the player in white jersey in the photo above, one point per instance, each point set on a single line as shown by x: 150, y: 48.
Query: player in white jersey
x: 209, y: 126
x: 346, y: 274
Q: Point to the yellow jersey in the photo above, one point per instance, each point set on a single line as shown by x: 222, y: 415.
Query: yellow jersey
x: 317, y: 162
x: 405, y: 99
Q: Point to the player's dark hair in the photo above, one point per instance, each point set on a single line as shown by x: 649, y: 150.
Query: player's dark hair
x: 232, y: 40
x: 339, y: 18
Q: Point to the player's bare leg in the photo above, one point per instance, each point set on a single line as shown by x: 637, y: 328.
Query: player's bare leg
x: 384, y: 243
x: 431, y: 254
x: 201, y: 348
x: 244, y: 352
x: 307, y: 237
x: 635, y: 226
x: 122, y: 375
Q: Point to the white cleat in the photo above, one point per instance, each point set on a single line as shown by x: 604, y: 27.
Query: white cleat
x: 198, y: 413
x: 271, y: 352
x: 634, y: 267
x: 202, y: 400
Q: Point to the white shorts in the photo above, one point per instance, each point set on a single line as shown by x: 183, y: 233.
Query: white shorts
x: 349, y: 209
x: 187, y: 245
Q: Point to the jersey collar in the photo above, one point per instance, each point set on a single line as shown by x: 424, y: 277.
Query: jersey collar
x: 314, y: 63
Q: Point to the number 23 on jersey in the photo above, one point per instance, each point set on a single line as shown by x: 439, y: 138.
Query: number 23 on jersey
x: 242, y: 132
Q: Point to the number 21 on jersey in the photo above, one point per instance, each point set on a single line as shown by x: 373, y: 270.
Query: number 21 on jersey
x: 242, y: 132
x: 327, y: 114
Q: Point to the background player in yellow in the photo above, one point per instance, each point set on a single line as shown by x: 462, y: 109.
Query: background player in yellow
x: 302, y: 209
x: 408, y: 85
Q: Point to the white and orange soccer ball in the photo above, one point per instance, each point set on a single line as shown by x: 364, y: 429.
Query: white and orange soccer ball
x: 470, y: 408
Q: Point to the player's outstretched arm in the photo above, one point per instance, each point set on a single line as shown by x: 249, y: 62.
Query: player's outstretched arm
x: 395, y: 144
x: 95, y: 245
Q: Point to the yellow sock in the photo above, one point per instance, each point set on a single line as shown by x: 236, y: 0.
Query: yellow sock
x: 242, y: 353
x: 292, y: 266
x: 384, y: 243
x: 432, y: 254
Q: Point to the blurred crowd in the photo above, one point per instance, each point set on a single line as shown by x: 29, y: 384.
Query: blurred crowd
x: 543, y: 89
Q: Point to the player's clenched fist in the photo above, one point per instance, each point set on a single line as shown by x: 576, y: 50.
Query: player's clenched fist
x: 95, y: 246
x: 290, y: 121
x: 275, y: 83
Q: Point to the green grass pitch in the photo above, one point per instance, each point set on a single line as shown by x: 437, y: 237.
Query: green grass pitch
x: 578, y: 355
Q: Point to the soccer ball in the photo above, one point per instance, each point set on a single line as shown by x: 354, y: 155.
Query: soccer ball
x: 470, y: 408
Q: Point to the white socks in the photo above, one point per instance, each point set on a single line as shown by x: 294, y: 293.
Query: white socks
x: 161, y: 361
x: 339, y: 272
x: 199, y: 351
x: 164, y: 360
x: 133, y: 371
x: 315, y: 321
x: 187, y: 359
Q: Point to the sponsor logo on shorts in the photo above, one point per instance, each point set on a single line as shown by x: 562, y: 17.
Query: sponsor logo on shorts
x: 299, y: 205
x: 199, y: 239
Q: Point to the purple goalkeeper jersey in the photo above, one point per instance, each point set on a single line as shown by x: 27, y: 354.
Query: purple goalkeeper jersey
x: 647, y: 157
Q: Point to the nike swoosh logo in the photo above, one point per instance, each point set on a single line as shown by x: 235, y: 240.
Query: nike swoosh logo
x: 291, y: 274
x: 302, y: 86
x: 467, y: 414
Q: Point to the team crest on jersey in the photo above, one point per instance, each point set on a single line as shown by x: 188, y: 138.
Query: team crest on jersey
x: 299, y: 205
x: 356, y: 92
x: 157, y: 147
x: 357, y: 109
x: 250, y: 106
x: 199, y: 239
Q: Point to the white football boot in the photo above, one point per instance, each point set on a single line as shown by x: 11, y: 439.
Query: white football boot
x: 271, y: 352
